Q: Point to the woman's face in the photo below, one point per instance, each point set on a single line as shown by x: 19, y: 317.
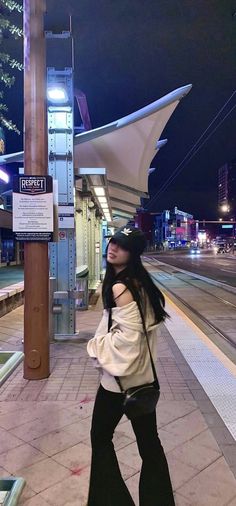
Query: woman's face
x: 116, y: 255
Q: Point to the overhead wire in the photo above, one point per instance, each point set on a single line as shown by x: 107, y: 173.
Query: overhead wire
x: 196, y: 147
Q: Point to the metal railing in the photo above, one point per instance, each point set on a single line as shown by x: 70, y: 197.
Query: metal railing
x: 10, y: 488
x: 9, y: 361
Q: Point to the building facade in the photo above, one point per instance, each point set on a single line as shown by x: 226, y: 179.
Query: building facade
x: 173, y: 229
x: 167, y: 229
x: 227, y: 190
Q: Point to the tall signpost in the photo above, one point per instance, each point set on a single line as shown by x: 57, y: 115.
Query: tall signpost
x: 36, y: 317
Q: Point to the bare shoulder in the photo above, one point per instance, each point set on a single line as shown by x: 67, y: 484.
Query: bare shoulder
x: 121, y: 294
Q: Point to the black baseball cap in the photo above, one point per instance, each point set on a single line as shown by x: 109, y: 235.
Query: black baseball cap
x: 131, y: 239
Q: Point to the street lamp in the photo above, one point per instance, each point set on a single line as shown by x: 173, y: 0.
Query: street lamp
x: 57, y: 95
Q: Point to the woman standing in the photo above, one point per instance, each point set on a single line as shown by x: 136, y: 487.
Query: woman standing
x: 120, y: 350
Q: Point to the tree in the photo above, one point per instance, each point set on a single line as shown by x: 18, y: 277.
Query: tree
x: 7, y: 63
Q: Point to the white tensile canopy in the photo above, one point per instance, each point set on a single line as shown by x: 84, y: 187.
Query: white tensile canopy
x: 126, y: 148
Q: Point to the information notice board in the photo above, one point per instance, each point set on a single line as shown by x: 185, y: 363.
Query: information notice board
x: 33, y: 208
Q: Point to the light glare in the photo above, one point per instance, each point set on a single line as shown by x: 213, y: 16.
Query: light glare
x: 4, y: 176
x: 57, y: 94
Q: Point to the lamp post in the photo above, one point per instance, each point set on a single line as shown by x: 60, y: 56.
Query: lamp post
x: 36, y: 317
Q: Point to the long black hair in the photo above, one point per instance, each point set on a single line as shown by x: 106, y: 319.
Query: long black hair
x: 137, y: 280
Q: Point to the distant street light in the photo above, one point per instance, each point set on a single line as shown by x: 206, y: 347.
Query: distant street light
x: 225, y: 208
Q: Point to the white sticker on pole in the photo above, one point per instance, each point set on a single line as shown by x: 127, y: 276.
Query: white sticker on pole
x: 66, y: 215
x: 33, y: 208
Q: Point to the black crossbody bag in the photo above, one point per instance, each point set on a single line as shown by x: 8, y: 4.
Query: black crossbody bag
x: 142, y: 399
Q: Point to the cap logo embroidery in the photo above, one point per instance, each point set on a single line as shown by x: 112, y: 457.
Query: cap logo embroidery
x: 126, y: 231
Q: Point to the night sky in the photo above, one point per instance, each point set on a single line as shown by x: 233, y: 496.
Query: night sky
x: 129, y: 53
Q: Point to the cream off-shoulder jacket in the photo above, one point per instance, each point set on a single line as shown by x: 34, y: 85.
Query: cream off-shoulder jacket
x: 123, y: 351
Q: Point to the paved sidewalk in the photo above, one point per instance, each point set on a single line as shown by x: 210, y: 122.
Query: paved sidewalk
x: 45, y: 425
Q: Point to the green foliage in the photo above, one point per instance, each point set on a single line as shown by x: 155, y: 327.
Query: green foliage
x: 6, y: 62
x: 12, y: 6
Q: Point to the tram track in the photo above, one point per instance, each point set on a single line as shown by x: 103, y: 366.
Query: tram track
x: 227, y: 302
x: 217, y: 330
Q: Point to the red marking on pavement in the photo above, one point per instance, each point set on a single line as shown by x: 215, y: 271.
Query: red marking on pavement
x: 77, y: 471
x: 86, y: 399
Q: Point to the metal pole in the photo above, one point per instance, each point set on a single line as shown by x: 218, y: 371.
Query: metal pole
x: 36, y: 317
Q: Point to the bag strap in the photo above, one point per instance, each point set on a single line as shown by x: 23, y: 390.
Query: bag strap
x: 149, y: 349
x: 146, y: 336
